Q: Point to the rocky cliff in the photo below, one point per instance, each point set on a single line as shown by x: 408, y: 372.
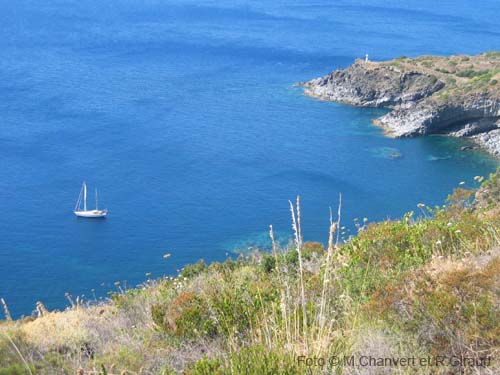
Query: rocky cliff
x: 456, y: 95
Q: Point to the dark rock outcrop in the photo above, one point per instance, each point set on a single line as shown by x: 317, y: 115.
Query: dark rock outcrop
x: 373, y: 87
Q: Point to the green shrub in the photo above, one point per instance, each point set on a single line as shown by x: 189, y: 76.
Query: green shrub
x: 205, y: 366
x: 253, y: 360
x: 186, y: 316
x: 268, y: 263
x: 292, y: 258
x: 15, y: 369
x: 258, y: 360
x: 471, y: 73
x: 493, y: 54
x: 489, y: 193
x: 239, y: 300
x: 128, y: 299
x: 442, y: 70
x: 192, y: 270
x: 444, y: 95
x: 395, y: 63
x: 226, y: 267
x: 126, y: 358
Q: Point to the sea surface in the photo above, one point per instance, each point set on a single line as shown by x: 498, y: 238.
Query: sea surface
x: 184, y: 115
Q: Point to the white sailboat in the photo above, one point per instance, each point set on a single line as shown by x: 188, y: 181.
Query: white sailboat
x: 88, y: 213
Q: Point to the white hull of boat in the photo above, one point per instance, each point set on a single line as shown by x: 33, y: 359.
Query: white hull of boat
x: 92, y: 213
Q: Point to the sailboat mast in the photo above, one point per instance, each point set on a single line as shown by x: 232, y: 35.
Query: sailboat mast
x: 96, y: 200
x: 79, y: 201
x: 84, y: 196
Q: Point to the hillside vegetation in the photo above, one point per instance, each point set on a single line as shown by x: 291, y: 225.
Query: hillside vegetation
x: 460, y: 73
x: 425, y: 287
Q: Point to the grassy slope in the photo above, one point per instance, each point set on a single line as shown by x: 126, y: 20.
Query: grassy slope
x: 399, y: 288
x: 462, y: 74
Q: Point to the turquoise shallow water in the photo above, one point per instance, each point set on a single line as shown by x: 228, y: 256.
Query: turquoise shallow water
x: 184, y: 115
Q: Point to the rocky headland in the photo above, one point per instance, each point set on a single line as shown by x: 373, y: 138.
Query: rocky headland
x: 456, y: 95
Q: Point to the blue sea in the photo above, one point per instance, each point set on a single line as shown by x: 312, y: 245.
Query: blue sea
x: 184, y: 115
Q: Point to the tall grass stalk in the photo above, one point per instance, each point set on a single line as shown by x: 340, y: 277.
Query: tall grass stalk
x: 19, y: 353
x: 297, y: 326
x: 296, y: 225
x: 6, y: 310
x: 283, y: 293
x: 326, y: 278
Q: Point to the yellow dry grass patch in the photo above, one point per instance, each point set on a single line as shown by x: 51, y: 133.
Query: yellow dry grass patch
x: 63, y: 329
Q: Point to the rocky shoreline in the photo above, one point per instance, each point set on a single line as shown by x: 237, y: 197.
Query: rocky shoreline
x: 457, y: 96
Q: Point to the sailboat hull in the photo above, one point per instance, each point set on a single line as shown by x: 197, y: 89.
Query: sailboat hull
x: 91, y: 213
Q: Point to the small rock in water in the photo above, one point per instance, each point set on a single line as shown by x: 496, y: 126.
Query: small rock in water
x: 467, y: 148
x: 437, y: 158
x: 386, y: 153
